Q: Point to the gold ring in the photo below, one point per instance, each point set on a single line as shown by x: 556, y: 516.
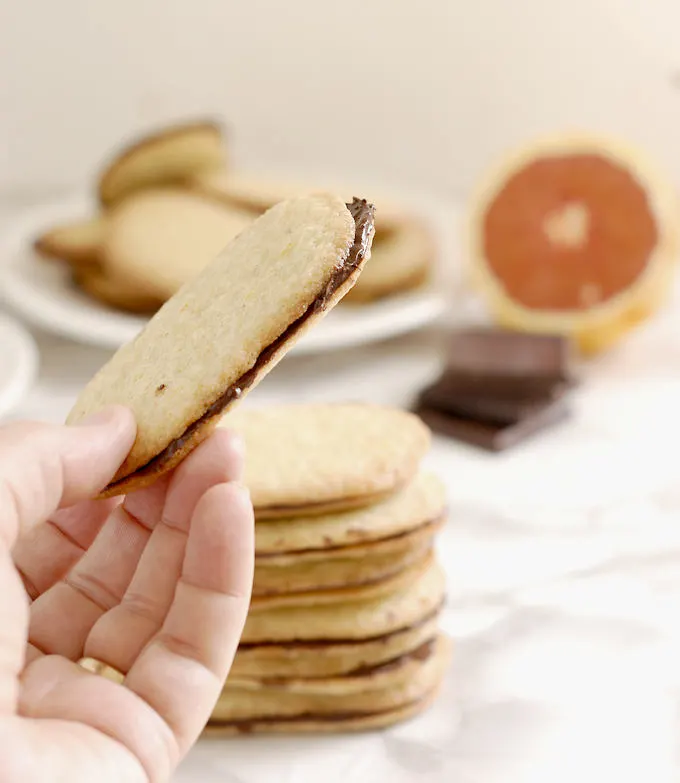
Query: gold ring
x: 102, y: 669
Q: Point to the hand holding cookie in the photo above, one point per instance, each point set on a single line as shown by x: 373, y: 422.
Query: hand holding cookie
x: 151, y: 593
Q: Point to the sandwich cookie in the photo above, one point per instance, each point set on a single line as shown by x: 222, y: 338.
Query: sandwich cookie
x: 415, y: 505
x: 288, y: 574
x: 317, y: 459
x: 374, y: 691
x: 363, y: 591
x: 227, y: 328
x: 327, y: 659
x: 417, y: 597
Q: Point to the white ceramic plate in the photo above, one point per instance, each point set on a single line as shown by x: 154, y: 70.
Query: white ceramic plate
x: 41, y: 291
x: 18, y: 363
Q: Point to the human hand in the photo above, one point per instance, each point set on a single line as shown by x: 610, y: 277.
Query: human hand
x: 156, y: 587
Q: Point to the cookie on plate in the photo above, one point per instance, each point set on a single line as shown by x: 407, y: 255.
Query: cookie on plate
x: 102, y: 286
x: 226, y: 329
x: 161, y: 238
x: 315, y: 459
x: 77, y: 243
x: 402, y: 258
x: 171, y: 155
x: 253, y: 192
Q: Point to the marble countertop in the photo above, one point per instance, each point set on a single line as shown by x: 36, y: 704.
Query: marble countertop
x: 563, y: 560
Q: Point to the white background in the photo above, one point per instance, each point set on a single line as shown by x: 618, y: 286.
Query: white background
x: 421, y: 93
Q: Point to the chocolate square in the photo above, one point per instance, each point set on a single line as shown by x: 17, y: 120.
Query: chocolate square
x: 494, y: 437
x: 498, y: 363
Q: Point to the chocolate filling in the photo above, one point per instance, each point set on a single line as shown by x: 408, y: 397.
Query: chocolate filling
x: 245, y: 726
x: 421, y: 653
x: 363, y: 214
x: 348, y: 547
x: 338, y: 587
x: 320, y: 643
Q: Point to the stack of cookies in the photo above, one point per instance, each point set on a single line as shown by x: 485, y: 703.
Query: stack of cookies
x: 342, y: 632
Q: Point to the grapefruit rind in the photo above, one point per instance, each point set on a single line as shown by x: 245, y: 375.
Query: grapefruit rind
x: 600, y: 326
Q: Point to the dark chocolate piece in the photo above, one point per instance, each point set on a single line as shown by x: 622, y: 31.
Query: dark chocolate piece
x: 492, y: 409
x: 504, y: 363
x: 493, y: 437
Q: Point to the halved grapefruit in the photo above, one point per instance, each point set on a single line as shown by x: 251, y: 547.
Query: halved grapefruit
x: 574, y: 235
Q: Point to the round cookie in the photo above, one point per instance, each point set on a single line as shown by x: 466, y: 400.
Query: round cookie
x: 386, y: 687
x: 103, y: 287
x: 353, y: 620
x: 402, y: 258
x: 225, y: 330
x: 314, y: 659
x: 344, y: 593
x: 421, y: 501
x: 158, y: 240
x: 310, y: 459
x: 169, y: 156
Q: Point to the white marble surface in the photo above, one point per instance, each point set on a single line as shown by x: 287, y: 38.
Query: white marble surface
x: 563, y: 559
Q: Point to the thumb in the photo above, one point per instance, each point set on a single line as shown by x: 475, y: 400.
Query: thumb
x: 44, y: 467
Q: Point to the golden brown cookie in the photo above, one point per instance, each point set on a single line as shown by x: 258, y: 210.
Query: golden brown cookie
x: 352, y: 621
x: 297, y: 659
x: 159, y: 239
x: 402, y: 258
x: 169, y: 156
x: 225, y: 330
x: 343, y: 593
x: 420, y: 502
x: 77, y: 243
x: 314, y: 459
x: 377, y: 690
x: 344, y: 567
x: 108, y: 290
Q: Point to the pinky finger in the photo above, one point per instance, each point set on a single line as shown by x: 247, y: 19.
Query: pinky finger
x: 182, y: 670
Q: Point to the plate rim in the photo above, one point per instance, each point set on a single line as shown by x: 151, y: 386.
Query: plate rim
x: 26, y: 371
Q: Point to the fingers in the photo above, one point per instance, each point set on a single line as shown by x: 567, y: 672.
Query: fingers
x: 121, y: 634
x: 182, y: 670
x: 58, y: 692
x: 62, y: 617
x: 13, y: 626
x: 44, y: 467
x: 47, y: 552
x: 117, y: 568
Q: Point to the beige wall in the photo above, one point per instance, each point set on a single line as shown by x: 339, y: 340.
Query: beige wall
x: 420, y: 92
